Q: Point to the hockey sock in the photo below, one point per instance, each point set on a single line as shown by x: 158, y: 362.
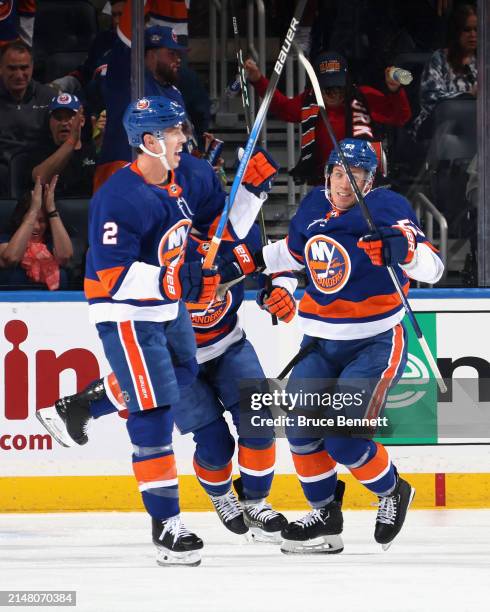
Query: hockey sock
x: 374, y: 469
x: 256, y: 469
x: 215, y: 480
x: 154, y: 462
x: 316, y: 473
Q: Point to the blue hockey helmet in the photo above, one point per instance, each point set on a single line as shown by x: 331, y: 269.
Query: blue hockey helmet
x: 357, y: 153
x: 152, y: 115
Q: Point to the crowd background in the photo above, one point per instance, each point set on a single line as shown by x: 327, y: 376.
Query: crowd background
x: 59, y: 128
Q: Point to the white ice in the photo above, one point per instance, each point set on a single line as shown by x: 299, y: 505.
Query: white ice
x: 440, y: 561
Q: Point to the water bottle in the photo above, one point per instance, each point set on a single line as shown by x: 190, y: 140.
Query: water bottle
x: 400, y: 75
x: 214, y: 151
x: 234, y: 88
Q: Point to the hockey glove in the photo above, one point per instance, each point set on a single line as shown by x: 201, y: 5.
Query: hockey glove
x: 389, y: 246
x: 260, y: 173
x: 280, y: 303
x: 239, y: 263
x: 189, y: 282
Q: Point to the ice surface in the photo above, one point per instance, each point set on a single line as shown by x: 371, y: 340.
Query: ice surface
x: 440, y: 561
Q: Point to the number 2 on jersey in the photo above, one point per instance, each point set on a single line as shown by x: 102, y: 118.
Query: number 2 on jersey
x: 110, y: 234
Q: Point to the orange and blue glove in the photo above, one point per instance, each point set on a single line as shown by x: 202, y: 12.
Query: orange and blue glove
x: 189, y: 282
x: 240, y: 262
x: 389, y: 246
x: 260, y: 173
x: 278, y: 302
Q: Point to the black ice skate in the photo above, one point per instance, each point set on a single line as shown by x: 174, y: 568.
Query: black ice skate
x: 392, y: 510
x: 230, y: 512
x: 319, y: 531
x: 175, y: 544
x: 264, y: 523
x: 67, y: 420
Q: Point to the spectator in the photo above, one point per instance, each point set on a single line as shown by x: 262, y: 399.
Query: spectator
x: 65, y: 154
x: 82, y: 77
x: 38, y: 242
x: 450, y: 72
x: 353, y: 111
x: 23, y: 101
x: 162, y: 65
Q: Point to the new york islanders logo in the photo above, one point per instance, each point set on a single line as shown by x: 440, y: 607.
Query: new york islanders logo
x: 5, y: 8
x: 173, y: 242
x: 328, y: 262
x: 203, y: 319
x: 143, y: 104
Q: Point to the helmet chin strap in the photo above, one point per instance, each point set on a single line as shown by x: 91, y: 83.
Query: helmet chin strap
x: 161, y: 156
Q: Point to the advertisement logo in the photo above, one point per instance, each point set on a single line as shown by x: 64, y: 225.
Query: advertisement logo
x: 48, y: 368
x: 412, y: 386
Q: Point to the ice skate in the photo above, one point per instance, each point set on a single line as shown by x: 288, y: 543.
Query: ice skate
x: 67, y: 420
x: 175, y: 544
x: 230, y: 512
x: 319, y: 531
x: 264, y: 523
x: 392, y: 510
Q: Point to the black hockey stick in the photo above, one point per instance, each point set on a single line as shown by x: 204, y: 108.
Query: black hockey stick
x: 248, y: 123
x: 300, y: 355
x: 369, y: 220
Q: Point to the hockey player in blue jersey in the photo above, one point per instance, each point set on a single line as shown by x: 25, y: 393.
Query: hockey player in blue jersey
x: 224, y: 356
x: 135, y: 278
x: 351, y: 317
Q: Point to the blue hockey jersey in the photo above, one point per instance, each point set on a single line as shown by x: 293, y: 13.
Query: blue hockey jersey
x: 217, y: 327
x: 135, y: 228
x: 346, y: 297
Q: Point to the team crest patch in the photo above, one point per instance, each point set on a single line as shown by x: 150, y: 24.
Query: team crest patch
x: 5, y: 8
x: 63, y: 98
x: 203, y: 319
x: 173, y: 242
x: 328, y: 262
x: 143, y: 104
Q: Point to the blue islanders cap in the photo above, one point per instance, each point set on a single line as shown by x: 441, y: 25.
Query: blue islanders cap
x: 161, y: 36
x: 64, y: 100
x: 331, y: 69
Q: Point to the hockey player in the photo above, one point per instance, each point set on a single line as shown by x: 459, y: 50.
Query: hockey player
x: 352, y: 323
x: 135, y: 277
x: 225, y: 356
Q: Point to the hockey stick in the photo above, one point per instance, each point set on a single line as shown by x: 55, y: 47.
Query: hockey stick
x: 254, y: 134
x: 248, y: 123
x: 369, y: 220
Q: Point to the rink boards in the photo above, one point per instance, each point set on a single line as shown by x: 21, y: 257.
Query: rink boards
x: 49, y: 349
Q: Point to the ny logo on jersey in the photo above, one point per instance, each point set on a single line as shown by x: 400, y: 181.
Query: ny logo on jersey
x: 328, y: 263
x: 173, y: 242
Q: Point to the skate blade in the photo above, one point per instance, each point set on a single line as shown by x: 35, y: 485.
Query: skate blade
x: 326, y: 545
x: 189, y: 558
x: 54, y: 424
x: 258, y: 536
x: 386, y: 546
